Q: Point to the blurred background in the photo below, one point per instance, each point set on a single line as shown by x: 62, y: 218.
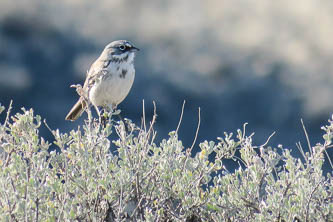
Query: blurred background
x: 268, y: 63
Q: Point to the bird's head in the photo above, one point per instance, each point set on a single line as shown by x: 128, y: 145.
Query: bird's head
x: 120, y: 51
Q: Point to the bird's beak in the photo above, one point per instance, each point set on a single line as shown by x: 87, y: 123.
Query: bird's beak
x: 134, y: 49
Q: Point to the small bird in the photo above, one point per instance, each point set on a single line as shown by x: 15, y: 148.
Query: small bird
x: 108, y: 80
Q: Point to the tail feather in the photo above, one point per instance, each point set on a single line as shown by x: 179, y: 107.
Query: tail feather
x: 76, y: 111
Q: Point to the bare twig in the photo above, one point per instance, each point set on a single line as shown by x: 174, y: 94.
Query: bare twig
x: 251, y: 205
x: 261, y: 190
x: 307, y: 137
x: 299, y: 147
x: 325, y: 150
x: 143, y: 116
x: 37, y: 209
x: 120, y: 200
x: 189, y: 151
x: 329, y: 147
x: 181, y: 117
x: 47, y: 126
x: 137, y: 207
x: 240, y: 159
x: 267, y: 141
x: 8, y: 112
x: 283, y: 199
x: 9, y: 157
x: 153, y: 120
x: 329, y: 159
x: 244, y: 129
x: 308, y: 203
x: 197, y: 131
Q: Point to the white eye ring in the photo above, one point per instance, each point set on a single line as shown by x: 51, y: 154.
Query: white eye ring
x: 122, y: 47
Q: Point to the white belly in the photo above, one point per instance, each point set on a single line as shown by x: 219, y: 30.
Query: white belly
x: 112, y: 90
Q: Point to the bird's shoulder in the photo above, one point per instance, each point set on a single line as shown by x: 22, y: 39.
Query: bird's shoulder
x: 97, y: 69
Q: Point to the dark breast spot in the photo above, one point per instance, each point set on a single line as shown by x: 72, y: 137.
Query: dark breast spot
x: 123, y: 73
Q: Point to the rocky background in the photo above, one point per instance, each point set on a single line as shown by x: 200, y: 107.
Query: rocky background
x: 268, y: 63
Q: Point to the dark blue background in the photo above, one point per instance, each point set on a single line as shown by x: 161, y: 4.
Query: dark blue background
x: 270, y: 81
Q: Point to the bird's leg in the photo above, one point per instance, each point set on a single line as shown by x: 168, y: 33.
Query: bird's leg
x: 106, y: 115
x: 117, y: 112
x: 109, y: 111
x: 102, y: 116
x: 89, y: 114
x: 99, y: 114
x: 121, y: 119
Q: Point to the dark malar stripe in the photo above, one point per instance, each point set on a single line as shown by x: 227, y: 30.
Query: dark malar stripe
x: 116, y: 60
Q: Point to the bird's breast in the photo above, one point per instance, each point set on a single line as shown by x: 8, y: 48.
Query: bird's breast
x: 113, y: 86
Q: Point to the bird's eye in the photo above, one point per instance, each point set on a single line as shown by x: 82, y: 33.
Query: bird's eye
x: 122, y: 47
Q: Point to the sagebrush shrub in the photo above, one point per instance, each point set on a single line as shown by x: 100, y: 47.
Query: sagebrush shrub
x: 145, y: 181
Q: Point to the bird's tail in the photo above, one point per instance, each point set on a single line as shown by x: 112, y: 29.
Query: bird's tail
x: 76, y: 111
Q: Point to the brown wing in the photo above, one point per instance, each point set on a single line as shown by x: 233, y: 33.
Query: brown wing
x: 95, y: 72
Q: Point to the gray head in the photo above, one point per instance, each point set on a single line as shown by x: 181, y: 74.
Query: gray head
x: 119, y: 51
